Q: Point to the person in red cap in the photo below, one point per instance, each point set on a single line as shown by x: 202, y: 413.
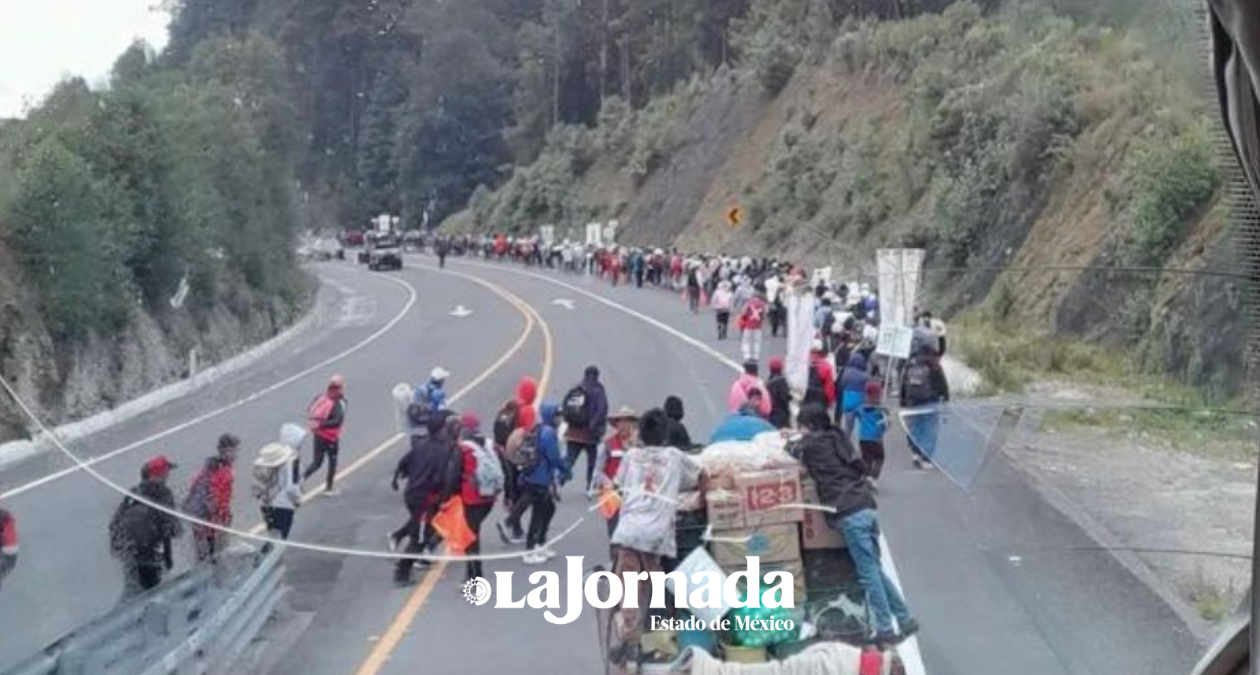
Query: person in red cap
x: 140, y: 535
x: 872, y: 423
x: 780, y: 395
x: 326, y: 416
x: 479, y: 485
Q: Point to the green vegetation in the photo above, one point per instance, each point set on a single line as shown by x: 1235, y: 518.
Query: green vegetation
x: 1173, y: 180
x: 1212, y: 602
x: 114, y: 198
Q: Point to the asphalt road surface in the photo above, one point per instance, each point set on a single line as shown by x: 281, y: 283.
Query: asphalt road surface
x: 991, y: 574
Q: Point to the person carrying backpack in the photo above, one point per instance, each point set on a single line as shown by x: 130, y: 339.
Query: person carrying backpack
x: 541, y: 469
x: 326, y: 416
x: 780, y: 395
x: 277, y: 486
x: 432, y: 468
x: 210, y: 499
x: 505, y: 422
x: 923, y: 389
x: 585, y: 410
x: 481, y: 481
x: 140, y: 535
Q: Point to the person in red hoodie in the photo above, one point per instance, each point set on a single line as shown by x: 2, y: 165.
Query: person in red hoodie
x: 476, y: 506
x: 326, y: 416
x: 821, y: 388
x: 751, y: 319
x: 8, y: 543
x: 210, y: 499
x: 526, y: 418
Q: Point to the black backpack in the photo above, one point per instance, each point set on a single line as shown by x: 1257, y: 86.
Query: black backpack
x: 134, y: 527
x: 815, y: 392
x: 505, y: 423
x: 574, y: 408
x: 918, y: 381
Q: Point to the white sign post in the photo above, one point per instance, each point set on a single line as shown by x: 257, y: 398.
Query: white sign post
x: 610, y: 232
x: 594, y: 234
x: 898, y: 271
x: 895, y: 341
x: 548, y: 234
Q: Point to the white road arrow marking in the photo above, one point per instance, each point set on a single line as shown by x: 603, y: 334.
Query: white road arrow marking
x: 461, y: 311
x: 563, y: 302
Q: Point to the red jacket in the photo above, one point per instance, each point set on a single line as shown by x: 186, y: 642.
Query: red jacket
x: 616, y: 451
x: 218, y: 474
x: 8, y: 534
x: 468, y: 492
x: 326, y: 416
x: 826, y: 374
x: 754, y: 314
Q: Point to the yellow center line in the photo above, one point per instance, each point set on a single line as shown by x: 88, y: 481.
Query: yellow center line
x: 393, y: 634
x: 388, y: 443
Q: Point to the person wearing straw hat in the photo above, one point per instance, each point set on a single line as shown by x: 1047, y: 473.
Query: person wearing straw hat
x: 625, y: 424
x: 277, y: 486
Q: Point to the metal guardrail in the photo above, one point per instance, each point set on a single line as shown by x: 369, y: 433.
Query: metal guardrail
x: 201, y: 621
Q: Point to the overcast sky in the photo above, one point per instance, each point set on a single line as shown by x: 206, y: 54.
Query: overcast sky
x: 44, y: 41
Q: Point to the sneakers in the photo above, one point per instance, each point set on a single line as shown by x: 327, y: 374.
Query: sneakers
x: 332, y: 492
x: 534, y: 557
x: 908, y: 628
x: 391, y: 543
x: 547, y: 553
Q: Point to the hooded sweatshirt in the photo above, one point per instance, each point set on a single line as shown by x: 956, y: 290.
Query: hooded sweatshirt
x: 550, y: 466
x: 679, y: 437
x: 854, y: 376
x: 739, y: 394
x: 432, y: 467
x: 596, y: 412
x: 526, y: 394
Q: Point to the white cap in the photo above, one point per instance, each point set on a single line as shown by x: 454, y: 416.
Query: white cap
x: 817, y: 346
x: 439, y: 373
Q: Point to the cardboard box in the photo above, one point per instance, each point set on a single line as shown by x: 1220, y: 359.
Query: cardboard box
x: 800, y: 579
x: 809, y: 491
x: 763, y: 494
x: 817, y: 534
x: 725, y: 510
x: 772, y: 543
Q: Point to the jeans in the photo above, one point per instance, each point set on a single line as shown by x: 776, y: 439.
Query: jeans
x: 922, y: 427
x: 539, y: 497
x: 278, y: 520
x: 723, y: 323
x: 861, y: 535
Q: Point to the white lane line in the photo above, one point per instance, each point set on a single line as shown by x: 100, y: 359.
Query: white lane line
x: 911, y: 657
x: 411, y: 301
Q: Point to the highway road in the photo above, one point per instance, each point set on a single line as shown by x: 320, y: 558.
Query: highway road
x: 991, y: 574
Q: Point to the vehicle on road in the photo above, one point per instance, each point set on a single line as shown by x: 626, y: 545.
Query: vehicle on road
x: 383, y: 252
x: 352, y: 238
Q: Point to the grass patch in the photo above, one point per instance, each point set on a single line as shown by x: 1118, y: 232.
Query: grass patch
x: 1211, y: 601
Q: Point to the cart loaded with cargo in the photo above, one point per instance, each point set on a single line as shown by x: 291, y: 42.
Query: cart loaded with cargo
x: 759, y: 502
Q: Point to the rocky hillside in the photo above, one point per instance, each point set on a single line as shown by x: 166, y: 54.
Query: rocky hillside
x: 1015, y: 138
x: 144, y: 220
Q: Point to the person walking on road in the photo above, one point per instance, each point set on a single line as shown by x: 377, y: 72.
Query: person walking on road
x: 210, y: 499
x: 679, y: 437
x: 651, y: 477
x: 780, y: 394
x: 432, y: 469
x: 872, y: 424
x: 539, y: 484
x: 751, y: 319
x: 841, y: 477
x: 625, y: 436
x: 277, y: 486
x: 693, y: 288
x: 743, y: 386
x: 585, y: 410
x: 478, y: 485
x: 923, y: 389
x: 722, y: 301
x: 852, y: 393
x: 821, y: 384
x: 140, y: 536
x: 326, y: 416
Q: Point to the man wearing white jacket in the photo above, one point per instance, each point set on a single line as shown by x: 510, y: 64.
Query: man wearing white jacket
x: 277, y: 484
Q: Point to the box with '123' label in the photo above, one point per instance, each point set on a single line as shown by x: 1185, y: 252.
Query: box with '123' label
x: 766, y: 496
